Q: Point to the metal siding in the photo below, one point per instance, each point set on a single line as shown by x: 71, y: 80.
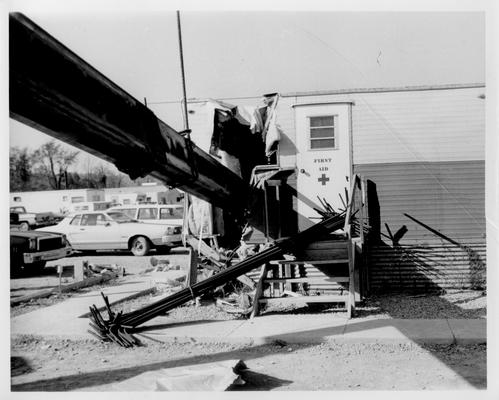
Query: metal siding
x: 427, y: 267
x: 448, y: 196
x: 416, y: 126
x: 446, y: 125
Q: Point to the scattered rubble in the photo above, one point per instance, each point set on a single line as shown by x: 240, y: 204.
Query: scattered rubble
x: 118, y: 326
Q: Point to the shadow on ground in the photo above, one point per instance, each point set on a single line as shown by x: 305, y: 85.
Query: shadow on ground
x: 254, y: 380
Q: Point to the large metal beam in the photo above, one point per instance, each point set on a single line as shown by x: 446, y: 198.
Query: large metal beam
x: 55, y: 91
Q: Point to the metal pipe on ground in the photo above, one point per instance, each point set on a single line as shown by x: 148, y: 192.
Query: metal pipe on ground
x: 119, y: 326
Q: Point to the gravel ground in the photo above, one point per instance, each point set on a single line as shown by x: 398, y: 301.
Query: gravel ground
x: 48, y: 365
x: 41, y: 364
x: 460, y: 304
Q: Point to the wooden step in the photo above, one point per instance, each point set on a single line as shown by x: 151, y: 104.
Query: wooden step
x: 304, y: 299
x: 308, y: 280
x: 311, y: 262
x: 327, y: 244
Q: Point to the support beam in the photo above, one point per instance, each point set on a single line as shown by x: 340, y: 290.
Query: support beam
x: 55, y: 91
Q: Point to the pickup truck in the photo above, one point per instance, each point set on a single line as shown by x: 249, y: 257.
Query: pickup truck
x: 29, y: 220
x: 32, y: 249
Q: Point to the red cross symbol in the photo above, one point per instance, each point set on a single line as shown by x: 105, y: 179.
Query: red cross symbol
x: 323, y: 179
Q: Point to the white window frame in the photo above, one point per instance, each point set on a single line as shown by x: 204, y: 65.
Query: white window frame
x: 334, y: 137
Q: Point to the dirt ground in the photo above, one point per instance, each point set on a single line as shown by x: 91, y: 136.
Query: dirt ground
x: 41, y: 364
x: 460, y: 304
x: 51, y: 365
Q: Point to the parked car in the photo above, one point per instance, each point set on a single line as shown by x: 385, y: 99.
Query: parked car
x: 114, y: 230
x: 31, y: 220
x: 32, y: 249
x: 164, y: 214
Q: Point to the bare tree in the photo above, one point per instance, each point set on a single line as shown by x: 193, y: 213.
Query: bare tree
x: 20, y: 163
x: 53, y: 162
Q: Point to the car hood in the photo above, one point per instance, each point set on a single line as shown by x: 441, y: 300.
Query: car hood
x: 30, y: 234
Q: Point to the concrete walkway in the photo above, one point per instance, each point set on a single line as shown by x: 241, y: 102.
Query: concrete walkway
x: 314, y: 329
x: 62, y: 320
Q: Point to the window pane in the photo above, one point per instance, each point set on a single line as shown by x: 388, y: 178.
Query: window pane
x: 89, y: 219
x: 76, y: 220
x: 322, y: 121
x: 128, y: 211
x: 171, y: 213
x: 321, y: 133
x: 148, y: 213
x: 322, y: 143
x: 101, y: 219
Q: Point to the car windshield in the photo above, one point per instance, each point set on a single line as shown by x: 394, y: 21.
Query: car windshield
x: 118, y: 216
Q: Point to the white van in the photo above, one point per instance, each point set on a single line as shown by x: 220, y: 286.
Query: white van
x: 164, y: 214
x: 90, y: 206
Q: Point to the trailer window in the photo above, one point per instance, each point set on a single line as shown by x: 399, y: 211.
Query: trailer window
x: 322, y: 132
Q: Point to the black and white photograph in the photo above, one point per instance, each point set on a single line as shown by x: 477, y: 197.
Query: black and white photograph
x: 210, y: 199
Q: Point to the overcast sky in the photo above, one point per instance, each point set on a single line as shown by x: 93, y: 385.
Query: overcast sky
x: 234, y: 54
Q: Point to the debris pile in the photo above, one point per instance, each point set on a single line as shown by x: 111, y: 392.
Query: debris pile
x: 119, y: 327
x: 90, y: 269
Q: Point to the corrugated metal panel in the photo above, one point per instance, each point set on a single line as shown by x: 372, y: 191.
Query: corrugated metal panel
x: 423, y: 268
x: 448, y: 196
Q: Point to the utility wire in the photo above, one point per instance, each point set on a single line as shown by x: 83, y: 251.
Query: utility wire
x: 392, y: 131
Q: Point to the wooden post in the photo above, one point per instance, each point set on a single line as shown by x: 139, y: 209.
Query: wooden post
x: 347, y: 227
x: 266, y: 212
x: 78, y: 271
x: 351, y: 284
x: 287, y: 274
x: 279, y: 212
x: 365, y: 270
x: 361, y: 214
x: 192, y: 272
x: 259, y: 291
x: 59, y: 271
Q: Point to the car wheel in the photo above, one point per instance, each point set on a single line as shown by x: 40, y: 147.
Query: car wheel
x: 140, y: 246
x: 24, y: 226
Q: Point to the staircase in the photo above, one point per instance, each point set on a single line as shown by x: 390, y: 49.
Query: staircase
x: 323, y: 272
